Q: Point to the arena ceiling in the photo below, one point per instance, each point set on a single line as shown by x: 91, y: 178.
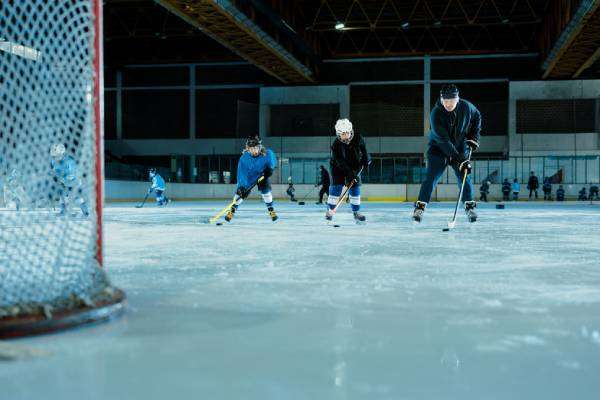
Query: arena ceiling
x: 289, y: 39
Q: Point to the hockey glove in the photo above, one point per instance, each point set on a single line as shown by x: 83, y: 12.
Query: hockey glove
x: 267, y: 172
x: 463, y: 164
x: 242, y: 192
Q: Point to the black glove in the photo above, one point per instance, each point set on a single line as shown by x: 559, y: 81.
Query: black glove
x: 473, y: 145
x: 350, y: 177
x: 242, y: 192
x: 267, y: 172
x: 463, y: 164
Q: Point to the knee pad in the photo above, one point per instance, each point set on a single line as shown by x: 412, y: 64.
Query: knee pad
x: 334, y: 195
x: 355, y: 203
x: 267, y: 197
x: 332, y: 200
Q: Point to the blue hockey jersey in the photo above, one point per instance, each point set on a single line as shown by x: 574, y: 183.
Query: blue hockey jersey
x: 65, y: 170
x: 158, y: 183
x: 251, y: 168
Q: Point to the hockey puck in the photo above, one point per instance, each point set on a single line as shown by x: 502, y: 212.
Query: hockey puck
x: 446, y: 230
x: 301, y: 203
x: 219, y: 223
x: 499, y: 206
x: 336, y: 226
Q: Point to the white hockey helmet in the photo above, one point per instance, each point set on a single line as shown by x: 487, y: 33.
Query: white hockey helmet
x: 344, y: 125
x: 58, y: 150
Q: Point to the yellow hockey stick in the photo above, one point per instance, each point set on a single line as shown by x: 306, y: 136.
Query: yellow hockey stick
x: 235, y: 198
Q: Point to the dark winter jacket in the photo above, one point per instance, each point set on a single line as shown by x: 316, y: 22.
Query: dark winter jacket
x: 346, y: 159
x: 484, y: 188
x: 450, y: 130
x: 324, y: 178
x: 547, y: 186
x: 506, y: 187
x: 533, y: 183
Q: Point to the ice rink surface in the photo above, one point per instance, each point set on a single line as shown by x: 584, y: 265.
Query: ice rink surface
x: 507, y: 308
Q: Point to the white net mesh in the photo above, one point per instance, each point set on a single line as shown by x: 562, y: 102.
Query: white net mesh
x: 48, y: 222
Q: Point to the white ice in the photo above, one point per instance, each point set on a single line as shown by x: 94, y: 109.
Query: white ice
x: 506, y: 308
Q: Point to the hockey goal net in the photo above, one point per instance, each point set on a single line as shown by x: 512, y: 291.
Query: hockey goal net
x: 51, y: 273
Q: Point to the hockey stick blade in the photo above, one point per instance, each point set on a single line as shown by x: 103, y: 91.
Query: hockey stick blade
x: 451, y: 225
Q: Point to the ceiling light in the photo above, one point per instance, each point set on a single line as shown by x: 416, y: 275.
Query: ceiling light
x: 339, y: 26
x: 405, y: 25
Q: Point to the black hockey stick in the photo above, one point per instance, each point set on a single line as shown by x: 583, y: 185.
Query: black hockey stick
x: 302, y: 202
x: 452, y: 222
x: 143, y: 201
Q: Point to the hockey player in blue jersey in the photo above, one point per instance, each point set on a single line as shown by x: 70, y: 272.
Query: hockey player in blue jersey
x: 158, y: 187
x: 14, y: 193
x: 64, y: 169
x: 255, y: 166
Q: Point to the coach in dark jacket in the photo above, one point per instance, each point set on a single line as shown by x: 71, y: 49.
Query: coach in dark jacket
x: 324, y: 183
x: 455, y: 128
x: 533, y: 184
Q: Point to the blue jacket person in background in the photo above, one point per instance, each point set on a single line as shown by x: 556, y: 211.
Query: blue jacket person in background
x: 64, y: 169
x: 158, y: 187
x: 560, y: 193
x: 455, y: 128
x: 255, y: 166
x: 547, y: 189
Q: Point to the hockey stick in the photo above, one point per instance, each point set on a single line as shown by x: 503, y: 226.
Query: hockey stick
x: 345, y: 193
x: 302, y: 202
x: 143, y: 201
x: 216, y: 217
x: 452, y: 223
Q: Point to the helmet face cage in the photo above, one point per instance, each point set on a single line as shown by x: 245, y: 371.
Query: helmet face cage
x: 254, y: 141
x: 344, y: 126
x: 58, y: 151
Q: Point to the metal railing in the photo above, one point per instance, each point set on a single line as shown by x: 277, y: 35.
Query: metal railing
x: 385, y: 170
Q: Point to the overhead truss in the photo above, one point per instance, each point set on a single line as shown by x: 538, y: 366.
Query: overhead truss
x: 571, y: 38
x: 224, y: 22
x: 391, y: 27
